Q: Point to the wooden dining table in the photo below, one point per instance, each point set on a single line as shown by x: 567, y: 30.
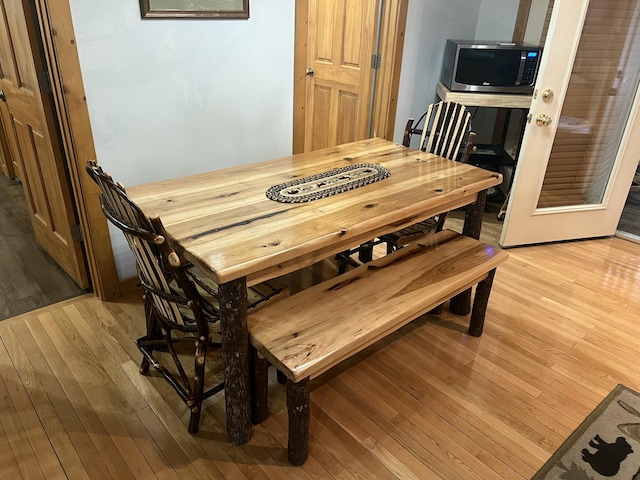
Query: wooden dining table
x: 223, y: 222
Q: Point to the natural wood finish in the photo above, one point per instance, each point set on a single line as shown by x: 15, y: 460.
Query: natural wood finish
x: 30, y: 126
x: 315, y: 330
x: 6, y: 159
x: 240, y: 232
x: 500, y: 100
x: 522, y: 17
x: 341, y: 40
x: 299, y: 74
x: 385, y: 97
x: 73, y: 119
x: 223, y: 223
x: 310, y: 332
x: 427, y: 402
x: 392, y: 25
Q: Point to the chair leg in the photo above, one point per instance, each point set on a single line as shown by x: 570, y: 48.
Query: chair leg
x: 365, y: 253
x: 153, y: 331
x: 390, y: 248
x: 259, y: 387
x: 298, y: 409
x: 342, y: 261
x: 195, y: 404
x: 480, y: 301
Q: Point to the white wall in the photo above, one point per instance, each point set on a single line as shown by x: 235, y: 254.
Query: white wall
x: 497, y: 19
x: 171, y: 97
x: 429, y: 24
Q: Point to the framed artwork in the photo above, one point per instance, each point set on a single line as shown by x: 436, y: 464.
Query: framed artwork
x: 194, y: 8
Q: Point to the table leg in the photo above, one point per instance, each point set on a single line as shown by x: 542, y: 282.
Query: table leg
x: 235, y: 359
x: 461, y: 303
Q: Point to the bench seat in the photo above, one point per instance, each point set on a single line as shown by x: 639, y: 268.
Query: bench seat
x: 306, y: 334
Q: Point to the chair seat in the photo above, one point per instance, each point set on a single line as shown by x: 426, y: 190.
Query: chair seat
x: 258, y: 296
x: 404, y: 235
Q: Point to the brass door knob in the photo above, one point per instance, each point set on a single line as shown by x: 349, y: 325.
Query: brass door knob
x: 309, y: 71
x: 543, y: 120
x: 547, y: 95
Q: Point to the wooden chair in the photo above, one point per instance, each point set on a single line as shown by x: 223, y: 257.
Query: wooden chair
x: 444, y: 130
x: 181, y: 307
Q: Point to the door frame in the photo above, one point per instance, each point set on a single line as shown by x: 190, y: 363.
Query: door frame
x: 385, y: 95
x: 60, y: 49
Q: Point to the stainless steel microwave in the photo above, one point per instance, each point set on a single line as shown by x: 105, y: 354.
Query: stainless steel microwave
x: 494, y: 67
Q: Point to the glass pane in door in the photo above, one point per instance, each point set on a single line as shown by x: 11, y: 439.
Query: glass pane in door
x: 596, y: 108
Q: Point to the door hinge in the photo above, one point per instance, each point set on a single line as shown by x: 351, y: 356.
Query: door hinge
x: 44, y: 82
x: 76, y: 233
x: 376, y: 60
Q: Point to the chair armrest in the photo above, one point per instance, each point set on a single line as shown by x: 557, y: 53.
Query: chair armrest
x: 469, y: 147
x: 408, y: 131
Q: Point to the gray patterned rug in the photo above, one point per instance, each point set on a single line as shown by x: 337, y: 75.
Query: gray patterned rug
x: 605, y: 446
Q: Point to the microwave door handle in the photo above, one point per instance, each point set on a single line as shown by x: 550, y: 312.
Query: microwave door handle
x: 523, y: 59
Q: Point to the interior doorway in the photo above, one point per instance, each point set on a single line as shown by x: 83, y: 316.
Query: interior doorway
x: 29, y: 277
x: 629, y: 225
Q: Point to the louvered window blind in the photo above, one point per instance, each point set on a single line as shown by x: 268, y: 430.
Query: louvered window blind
x: 601, y: 90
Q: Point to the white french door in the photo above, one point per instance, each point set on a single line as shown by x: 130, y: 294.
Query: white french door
x: 582, y: 145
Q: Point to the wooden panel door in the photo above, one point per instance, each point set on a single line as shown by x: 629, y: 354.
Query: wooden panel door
x: 29, y: 123
x: 341, y: 42
x: 6, y: 159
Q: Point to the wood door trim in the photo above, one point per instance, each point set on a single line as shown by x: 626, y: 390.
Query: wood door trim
x: 299, y: 74
x: 385, y: 95
x: 61, y: 54
x: 394, y: 16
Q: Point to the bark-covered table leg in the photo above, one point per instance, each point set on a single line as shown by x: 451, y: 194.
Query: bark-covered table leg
x: 235, y: 359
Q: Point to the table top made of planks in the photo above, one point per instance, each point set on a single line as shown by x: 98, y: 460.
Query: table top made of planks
x: 223, y: 222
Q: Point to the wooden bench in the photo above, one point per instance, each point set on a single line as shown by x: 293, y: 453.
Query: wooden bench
x: 305, y: 335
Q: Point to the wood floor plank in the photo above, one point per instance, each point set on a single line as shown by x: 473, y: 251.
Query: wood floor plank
x: 426, y: 402
x: 63, y: 360
x: 28, y: 419
x: 69, y: 439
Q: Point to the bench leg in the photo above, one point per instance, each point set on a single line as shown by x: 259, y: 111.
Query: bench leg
x: 259, y: 387
x: 480, y: 305
x: 298, y: 409
x: 461, y: 303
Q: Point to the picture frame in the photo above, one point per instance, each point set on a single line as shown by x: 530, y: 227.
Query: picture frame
x: 213, y: 9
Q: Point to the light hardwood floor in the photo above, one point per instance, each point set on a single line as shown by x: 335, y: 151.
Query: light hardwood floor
x: 427, y: 402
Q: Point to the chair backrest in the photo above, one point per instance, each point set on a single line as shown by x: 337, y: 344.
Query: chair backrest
x: 156, y: 260
x: 446, y: 127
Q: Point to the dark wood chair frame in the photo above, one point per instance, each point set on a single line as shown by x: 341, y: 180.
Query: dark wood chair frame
x: 177, y: 301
